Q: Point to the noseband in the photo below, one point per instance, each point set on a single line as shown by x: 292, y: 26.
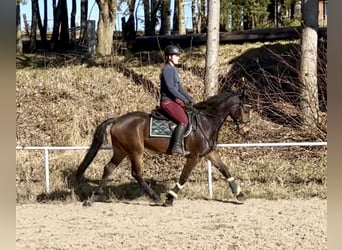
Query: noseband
x: 244, y: 107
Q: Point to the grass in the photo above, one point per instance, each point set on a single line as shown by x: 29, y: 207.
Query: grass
x: 60, y: 105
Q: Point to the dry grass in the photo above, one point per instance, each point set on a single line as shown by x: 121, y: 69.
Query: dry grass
x: 61, y: 106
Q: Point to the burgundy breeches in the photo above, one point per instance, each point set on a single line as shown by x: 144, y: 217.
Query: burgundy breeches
x: 175, y: 111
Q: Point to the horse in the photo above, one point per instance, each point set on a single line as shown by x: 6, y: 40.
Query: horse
x: 130, y: 136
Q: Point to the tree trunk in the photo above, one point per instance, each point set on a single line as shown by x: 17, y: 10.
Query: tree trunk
x: 309, y: 100
x: 147, y: 17
x: 165, y: 18
x: 175, y: 17
x: 34, y: 23
x: 73, y: 22
x: 64, y: 36
x: 84, y: 14
x: 213, y: 41
x: 181, y: 17
x: 60, y: 26
x: 156, y: 6
x: 150, y: 13
x: 18, y: 24
x: 56, y: 24
x: 203, y: 17
x: 105, y: 28
x: 43, y: 29
x: 194, y: 16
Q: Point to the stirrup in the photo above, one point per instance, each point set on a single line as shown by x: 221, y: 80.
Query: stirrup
x: 182, y: 152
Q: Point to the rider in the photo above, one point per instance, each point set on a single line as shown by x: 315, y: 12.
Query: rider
x: 173, y: 97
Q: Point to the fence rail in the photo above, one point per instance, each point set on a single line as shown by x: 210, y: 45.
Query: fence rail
x: 46, y: 150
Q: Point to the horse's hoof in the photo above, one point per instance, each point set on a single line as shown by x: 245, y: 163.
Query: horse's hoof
x: 168, y: 203
x: 87, y: 203
x: 240, y: 197
x: 157, y: 203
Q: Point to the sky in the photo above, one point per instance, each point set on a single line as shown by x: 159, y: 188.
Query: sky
x: 93, y: 13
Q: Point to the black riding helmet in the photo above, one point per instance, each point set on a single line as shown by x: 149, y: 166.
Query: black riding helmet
x: 171, y: 50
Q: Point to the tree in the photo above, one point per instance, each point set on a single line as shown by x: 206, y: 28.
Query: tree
x: 151, y: 8
x: 73, y: 21
x: 213, y: 40
x: 19, y: 43
x: 198, y: 9
x: 181, y: 17
x: 105, y: 27
x: 165, y: 18
x: 84, y: 14
x: 34, y: 23
x: 60, y: 25
x: 175, y: 17
x: 43, y: 28
x: 195, y: 16
x: 308, y: 67
x: 203, y: 17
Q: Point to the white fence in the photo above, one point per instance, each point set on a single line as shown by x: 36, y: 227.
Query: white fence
x: 47, y: 149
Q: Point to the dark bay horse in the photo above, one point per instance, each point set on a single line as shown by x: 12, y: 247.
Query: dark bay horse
x: 130, y: 135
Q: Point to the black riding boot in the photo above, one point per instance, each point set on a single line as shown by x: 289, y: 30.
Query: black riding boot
x: 177, y: 148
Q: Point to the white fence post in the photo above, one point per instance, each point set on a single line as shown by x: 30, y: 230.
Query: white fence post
x: 210, y: 180
x: 47, y: 174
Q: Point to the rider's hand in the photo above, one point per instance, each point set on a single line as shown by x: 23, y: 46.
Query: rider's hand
x: 189, y: 105
x: 180, y: 102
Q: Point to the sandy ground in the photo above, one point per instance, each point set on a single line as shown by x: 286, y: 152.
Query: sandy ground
x: 189, y: 224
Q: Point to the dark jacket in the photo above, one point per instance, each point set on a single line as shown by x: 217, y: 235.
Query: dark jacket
x: 170, y: 86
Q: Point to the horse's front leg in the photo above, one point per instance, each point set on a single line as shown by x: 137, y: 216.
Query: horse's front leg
x: 217, y: 162
x: 172, y: 194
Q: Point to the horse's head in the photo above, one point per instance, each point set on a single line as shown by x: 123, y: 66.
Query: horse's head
x: 240, y: 113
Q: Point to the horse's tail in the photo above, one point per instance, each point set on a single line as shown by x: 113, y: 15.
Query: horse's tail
x: 95, y: 146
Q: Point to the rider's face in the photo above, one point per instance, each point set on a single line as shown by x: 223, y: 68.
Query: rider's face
x: 174, y: 59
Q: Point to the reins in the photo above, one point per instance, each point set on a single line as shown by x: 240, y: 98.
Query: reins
x: 206, y: 114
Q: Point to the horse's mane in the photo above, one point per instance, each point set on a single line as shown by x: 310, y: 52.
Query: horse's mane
x: 212, y: 101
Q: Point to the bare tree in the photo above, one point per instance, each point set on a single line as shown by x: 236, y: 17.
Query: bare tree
x: 181, y: 17
x: 150, y: 13
x: 43, y: 27
x: 194, y: 15
x: 309, y: 39
x: 34, y: 25
x: 105, y: 28
x: 60, y: 33
x: 203, y: 16
x: 19, y: 43
x: 175, y: 17
x: 73, y: 22
x: 165, y: 18
x: 213, y: 40
x: 84, y: 18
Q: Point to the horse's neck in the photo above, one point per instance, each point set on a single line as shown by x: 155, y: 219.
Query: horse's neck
x: 210, y: 125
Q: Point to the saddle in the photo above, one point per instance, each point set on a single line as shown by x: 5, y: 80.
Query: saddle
x: 161, y: 125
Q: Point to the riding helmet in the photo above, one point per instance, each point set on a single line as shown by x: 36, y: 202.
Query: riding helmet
x: 171, y: 50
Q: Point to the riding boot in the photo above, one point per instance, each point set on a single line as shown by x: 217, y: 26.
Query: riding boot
x: 177, y: 148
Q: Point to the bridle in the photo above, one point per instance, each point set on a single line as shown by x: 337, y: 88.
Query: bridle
x: 242, y: 107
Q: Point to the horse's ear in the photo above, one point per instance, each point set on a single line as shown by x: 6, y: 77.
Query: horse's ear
x: 244, y: 96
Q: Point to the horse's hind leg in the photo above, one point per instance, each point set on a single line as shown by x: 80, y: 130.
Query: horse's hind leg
x: 217, y: 162
x: 136, y: 160
x: 107, y: 171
